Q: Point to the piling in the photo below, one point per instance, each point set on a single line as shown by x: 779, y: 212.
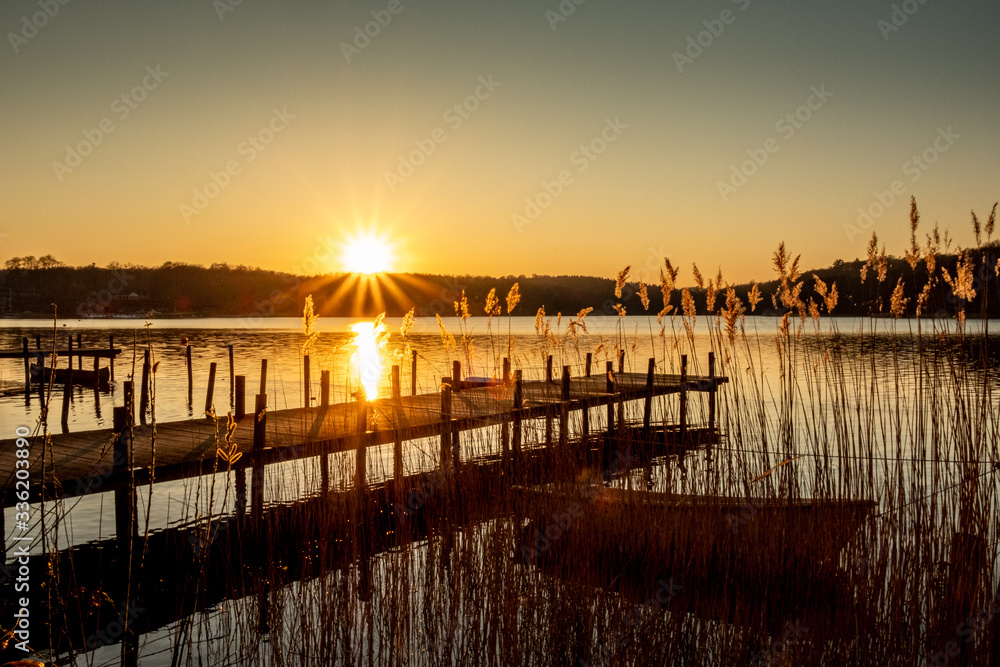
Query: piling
x: 241, y: 396
x: 187, y: 354
x: 67, y: 399
x: 324, y: 388
x: 548, y: 369
x: 445, y: 424
x: 69, y: 364
x: 263, y: 376
x: 210, y: 395
x: 711, y: 394
x: 505, y: 424
x: 518, y: 406
x: 683, y: 400
x: 609, y: 438
x: 27, y: 366
x: 564, y: 411
x: 397, y: 441
x: 79, y: 345
x: 590, y: 359
x: 126, y: 524
x: 413, y: 373
x: 456, y: 375
x: 648, y: 406
x: 259, y: 440
x: 361, y: 459
x: 144, y: 387
x: 306, y: 370
x: 111, y: 351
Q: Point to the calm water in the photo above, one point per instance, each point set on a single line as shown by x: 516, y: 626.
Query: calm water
x: 280, y: 340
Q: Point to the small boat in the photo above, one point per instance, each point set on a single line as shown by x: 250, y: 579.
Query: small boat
x: 590, y: 526
x: 100, y: 377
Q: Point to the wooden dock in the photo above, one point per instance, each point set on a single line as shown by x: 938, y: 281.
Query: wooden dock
x: 103, y: 460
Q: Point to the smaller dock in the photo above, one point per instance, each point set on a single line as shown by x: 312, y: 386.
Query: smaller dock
x: 43, y: 354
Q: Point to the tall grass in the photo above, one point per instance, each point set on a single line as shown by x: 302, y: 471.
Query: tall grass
x: 709, y: 569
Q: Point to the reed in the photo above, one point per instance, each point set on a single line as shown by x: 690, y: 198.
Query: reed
x: 847, y: 514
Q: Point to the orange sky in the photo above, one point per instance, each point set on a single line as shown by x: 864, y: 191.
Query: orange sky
x: 265, y: 135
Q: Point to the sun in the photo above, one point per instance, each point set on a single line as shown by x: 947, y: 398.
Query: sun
x: 367, y: 253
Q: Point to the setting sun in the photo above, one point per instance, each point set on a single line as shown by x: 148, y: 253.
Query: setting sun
x: 367, y: 253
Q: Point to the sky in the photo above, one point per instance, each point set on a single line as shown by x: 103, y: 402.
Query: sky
x: 493, y: 138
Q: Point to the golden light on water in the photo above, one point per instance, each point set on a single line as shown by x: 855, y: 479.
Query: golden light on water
x: 367, y: 359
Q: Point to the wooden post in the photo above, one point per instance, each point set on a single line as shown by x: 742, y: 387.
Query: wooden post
x: 263, y: 376
x: 241, y: 397
x: 621, y: 398
x: 111, y: 353
x: 548, y: 369
x: 259, y: 441
x: 590, y: 359
x: 505, y: 425
x: 79, y: 346
x: 456, y: 375
x: 122, y: 462
x: 306, y: 380
x: 67, y: 399
x: 210, y: 395
x: 27, y: 366
x: 648, y: 407
x: 518, y: 406
x: 324, y: 388
x: 683, y: 398
x: 187, y: 354
x: 711, y: 395
x: 38, y: 341
x: 126, y: 525
x: 446, y: 424
x: 144, y: 387
x: 397, y: 441
x: 361, y: 458
x: 606, y: 450
x: 232, y: 376
x: 413, y: 373
x: 69, y: 364
x: 564, y: 410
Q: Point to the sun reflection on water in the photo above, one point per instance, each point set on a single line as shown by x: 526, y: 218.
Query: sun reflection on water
x: 369, y: 341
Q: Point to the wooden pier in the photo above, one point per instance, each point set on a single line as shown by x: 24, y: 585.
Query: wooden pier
x: 87, y: 462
